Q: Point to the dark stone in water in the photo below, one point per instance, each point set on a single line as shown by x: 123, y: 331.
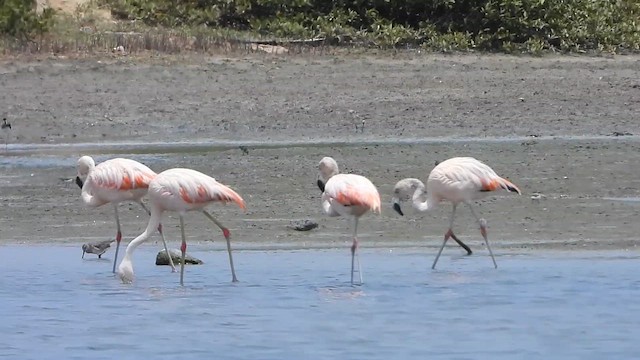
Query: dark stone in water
x: 303, y: 225
x: 176, y: 255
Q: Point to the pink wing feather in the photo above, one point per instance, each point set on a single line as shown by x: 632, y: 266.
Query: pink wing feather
x: 122, y: 174
x: 194, y: 187
x: 465, y: 172
x: 353, y: 190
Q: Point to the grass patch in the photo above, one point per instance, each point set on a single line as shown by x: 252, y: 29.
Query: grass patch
x: 214, y: 26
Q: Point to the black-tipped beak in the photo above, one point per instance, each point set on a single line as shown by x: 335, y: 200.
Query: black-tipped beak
x: 321, y: 185
x: 79, y: 182
x: 396, y: 207
x: 83, y: 253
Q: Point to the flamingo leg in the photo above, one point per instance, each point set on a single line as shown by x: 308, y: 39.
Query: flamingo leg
x: 227, y: 236
x: 463, y: 245
x: 118, y: 238
x: 354, y: 252
x: 183, y: 249
x: 483, y: 231
x: 447, y: 235
x: 164, y: 242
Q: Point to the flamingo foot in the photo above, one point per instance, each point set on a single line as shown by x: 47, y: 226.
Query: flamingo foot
x: 450, y: 234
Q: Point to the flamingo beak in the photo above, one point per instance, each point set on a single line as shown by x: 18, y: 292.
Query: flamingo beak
x: 321, y: 185
x: 396, y: 207
x: 83, y: 253
x: 79, y: 182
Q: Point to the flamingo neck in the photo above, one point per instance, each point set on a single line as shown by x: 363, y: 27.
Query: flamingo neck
x: 87, y: 196
x: 326, y: 206
x: 152, y: 226
x: 419, y: 204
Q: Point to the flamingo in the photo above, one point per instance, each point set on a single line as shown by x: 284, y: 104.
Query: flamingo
x: 347, y: 195
x: 459, y: 179
x: 181, y: 190
x: 114, y: 181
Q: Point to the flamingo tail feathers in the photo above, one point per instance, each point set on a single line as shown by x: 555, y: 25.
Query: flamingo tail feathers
x: 499, y: 183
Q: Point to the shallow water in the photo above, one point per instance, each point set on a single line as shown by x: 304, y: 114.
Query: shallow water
x: 194, y: 146
x: 298, y: 304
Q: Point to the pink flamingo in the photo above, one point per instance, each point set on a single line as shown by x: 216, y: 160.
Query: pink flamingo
x: 114, y: 181
x: 181, y: 190
x: 459, y: 179
x: 347, y: 195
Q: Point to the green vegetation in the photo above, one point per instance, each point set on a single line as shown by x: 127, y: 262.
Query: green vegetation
x: 527, y: 26
x: 505, y: 25
x: 18, y: 19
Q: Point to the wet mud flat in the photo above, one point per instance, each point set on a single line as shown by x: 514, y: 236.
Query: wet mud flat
x: 548, y: 124
x: 572, y: 192
x: 287, y: 98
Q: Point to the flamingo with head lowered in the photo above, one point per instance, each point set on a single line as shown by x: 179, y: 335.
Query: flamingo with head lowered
x: 112, y: 182
x: 458, y: 180
x: 347, y: 195
x: 181, y: 190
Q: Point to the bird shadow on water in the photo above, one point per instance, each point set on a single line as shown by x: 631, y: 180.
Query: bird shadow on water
x: 100, y: 260
x: 340, y: 292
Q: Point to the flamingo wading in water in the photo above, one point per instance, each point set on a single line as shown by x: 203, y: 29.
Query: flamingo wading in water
x: 114, y: 181
x: 459, y: 179
x: 181, y: 190
x: 347, y: 195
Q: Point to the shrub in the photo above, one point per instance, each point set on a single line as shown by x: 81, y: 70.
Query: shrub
x: 19, y: 19
x: 508, y: 25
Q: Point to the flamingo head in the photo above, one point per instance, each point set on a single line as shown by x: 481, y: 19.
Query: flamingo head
x: 404, y: 190
x: 85, y: 166
x: 125, y: 271
x: 85, y: 248
x: 327, y: 168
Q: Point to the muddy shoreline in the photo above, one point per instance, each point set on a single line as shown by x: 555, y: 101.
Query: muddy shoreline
x: 566, y: 111
x: 265, y: 98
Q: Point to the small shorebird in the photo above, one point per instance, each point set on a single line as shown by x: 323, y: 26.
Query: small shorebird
x: 97, y: 248
x: 5, y: 125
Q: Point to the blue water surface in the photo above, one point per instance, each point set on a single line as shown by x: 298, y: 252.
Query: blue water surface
x: 300, y: 305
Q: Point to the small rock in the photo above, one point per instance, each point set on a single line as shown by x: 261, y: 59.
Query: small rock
x: 176, y: 255
x: 538, y: 197
x: 621, y: 133
x: 303, y: 225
